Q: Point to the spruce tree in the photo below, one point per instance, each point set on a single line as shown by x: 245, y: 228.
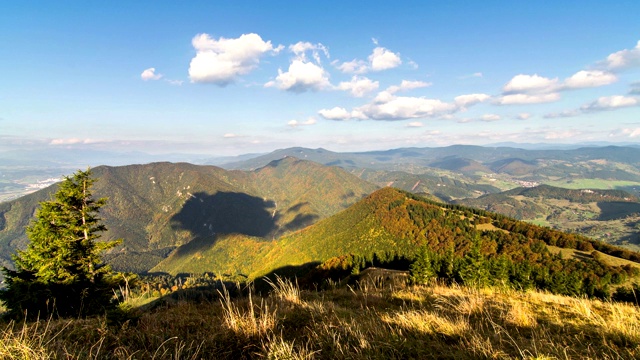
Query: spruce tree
x: 61, y: 272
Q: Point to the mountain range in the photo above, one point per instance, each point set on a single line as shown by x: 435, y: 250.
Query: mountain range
x: 297, y: 206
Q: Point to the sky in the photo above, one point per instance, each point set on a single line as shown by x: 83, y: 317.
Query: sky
x: 235, y: 77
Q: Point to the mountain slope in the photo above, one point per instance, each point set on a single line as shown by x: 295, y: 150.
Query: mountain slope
x: 391, y: 223
x: 160, y: 206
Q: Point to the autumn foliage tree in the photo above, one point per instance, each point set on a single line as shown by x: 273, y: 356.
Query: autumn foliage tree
x: 61, y: 272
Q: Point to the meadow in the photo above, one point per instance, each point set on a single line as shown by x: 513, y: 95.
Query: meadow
x: 342, y: 322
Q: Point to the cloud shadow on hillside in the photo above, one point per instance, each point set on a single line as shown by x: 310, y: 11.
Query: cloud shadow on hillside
x: 206, y: 215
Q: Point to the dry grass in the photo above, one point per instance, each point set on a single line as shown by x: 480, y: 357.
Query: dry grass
x: 414, y: 322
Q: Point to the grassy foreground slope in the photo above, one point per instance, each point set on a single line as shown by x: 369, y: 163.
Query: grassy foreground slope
x: 435, y: 322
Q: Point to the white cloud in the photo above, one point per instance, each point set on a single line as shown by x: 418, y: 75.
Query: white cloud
x: 623, y: 59
x: 400, y: 108
x: 610, y: 103
x: 150, y: 74
x: 415, y: 124
x: 514, y: 99
x: 175, y: 82
x: 301, y: 76
x: 296, y: 123
x: 359, y: 86
x: 230, y: 136
x: 389, y: 107
x: 632, y: 133
x: 380, y: 59
x: 353, y: 67
x: 223, y: 60
x: 562, y: 114
x: 383, y: 59
x: 464, y: 101
x: 530, y: 84
x: 407, y: 85
x: 341, y: 114
x: 589, y: 78
x: 523, y: 116
x: 301, y: 48
x: 73, y: 141
x: 490, y: 117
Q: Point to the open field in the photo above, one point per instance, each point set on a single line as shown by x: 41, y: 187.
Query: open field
x: 593, y: 184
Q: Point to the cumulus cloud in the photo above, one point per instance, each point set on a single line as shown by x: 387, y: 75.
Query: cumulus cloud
x: 601, y: 104
x: 635, y: 88
x: 529, y: 89
x: 383, y: 59
x: 463, y: 101
x: 402, y: 107
x: 589, y: 78
x: 304, y: 73
x: 341, y: 114
x: 221, y: 61
x: 610, y: 103
x: 523, y: 116
x: 530, y: 84
x: 623, y: 59
x: 415, y: 124
x: 359, y: 86
x: 300, y: 77
x: 535, y: 89
x: 230, y: 136
x: 296, y: 123
x: 150, y: 74
x: 514, y: 99
x: 380, y: 59
x: 390, y: 107
x: 407, y: 85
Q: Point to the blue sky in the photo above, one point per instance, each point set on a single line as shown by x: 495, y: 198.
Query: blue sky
x: 233, y: 77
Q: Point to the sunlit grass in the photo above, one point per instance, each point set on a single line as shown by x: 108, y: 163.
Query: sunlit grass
x: 435, y: 321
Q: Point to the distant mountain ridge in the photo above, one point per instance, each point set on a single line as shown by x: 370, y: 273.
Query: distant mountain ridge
x: 426, y: 156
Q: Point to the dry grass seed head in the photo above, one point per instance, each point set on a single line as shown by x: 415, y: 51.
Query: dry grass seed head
x: 520, y: 314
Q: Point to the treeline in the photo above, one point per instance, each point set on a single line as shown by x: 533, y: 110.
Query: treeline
x: 540, y: 270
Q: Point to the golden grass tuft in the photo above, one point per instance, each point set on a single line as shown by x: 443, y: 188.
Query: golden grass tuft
x: 249, y: 320
x: 28, y: 342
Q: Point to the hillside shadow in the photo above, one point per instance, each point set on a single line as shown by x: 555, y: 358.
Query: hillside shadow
x: 205, y: 215
x: 617, y: 210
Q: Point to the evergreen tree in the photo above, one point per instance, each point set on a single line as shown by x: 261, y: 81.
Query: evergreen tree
x: 473, y: 270
x: 61, y: 273
x: 422, y: 270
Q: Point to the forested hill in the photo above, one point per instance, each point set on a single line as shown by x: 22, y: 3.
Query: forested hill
x: 392, y: 224
x: 159, y: 206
